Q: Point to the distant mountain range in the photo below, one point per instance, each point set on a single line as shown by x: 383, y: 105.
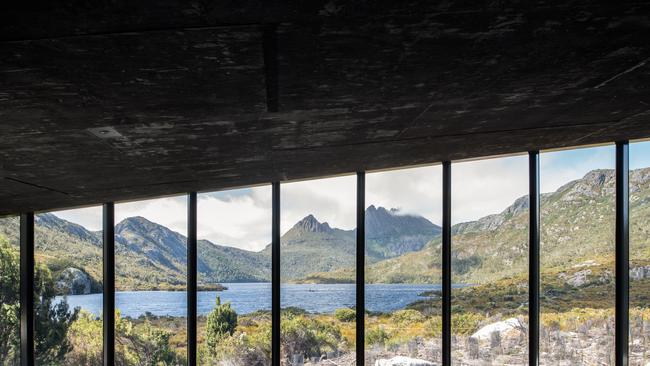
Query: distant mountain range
x: 151, y: 256
x: 577, y: 225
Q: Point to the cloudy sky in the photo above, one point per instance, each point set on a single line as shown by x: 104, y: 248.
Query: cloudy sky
x: 242, y: 217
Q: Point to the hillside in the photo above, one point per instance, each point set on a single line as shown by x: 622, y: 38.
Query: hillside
x: 150, y: 256
x: 577, y: 226
x: 390, y: 234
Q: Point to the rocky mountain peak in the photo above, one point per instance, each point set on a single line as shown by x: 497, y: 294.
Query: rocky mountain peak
x: 135, y: 224
x: 311, y: 225
x: 595, y: 183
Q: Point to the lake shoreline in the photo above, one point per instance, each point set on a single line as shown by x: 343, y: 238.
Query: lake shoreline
x: 250, y: 297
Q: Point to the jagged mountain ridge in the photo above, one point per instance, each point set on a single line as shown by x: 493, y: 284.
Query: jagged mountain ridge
x: 577, y: 225
x: 577, y: 222
x: 151, y: 256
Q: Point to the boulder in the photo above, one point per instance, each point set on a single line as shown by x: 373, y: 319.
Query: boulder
x: 73, y: 281
x: 577, y: 279
x: 639, y: 273
x: 503, y: 328
x: 403, y: 361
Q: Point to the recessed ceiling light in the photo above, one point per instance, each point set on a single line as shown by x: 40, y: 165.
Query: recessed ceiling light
x: 107, y: 132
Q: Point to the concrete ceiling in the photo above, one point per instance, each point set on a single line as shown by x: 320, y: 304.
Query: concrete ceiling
x: 209, y: 95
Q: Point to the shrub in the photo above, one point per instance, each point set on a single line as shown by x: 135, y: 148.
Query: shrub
x: 345, y: 315
x: 309, y: 336
x: 408, y: 316
x: 221, y: 321
x: 376, y: 336
x: 85, y: 335
x: 466, y: 323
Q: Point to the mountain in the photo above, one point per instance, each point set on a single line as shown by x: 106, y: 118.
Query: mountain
x: 310, y: 246
x: 577, y: 227
x: 391, y: 234
x: 151, y: 256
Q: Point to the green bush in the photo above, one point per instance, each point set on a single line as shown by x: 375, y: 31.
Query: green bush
x: 309, y: 336
x: 376, y: 336
x: 408, y: 316
x: 222, y: 321
x: 345, y: 315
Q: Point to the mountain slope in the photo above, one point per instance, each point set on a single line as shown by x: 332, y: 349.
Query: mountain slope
x: 310, y: 246
x: 390, y: 234
x: 151, y: 256
x: 577, y: 226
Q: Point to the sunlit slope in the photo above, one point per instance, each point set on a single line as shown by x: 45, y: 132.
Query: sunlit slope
x: 577, y: 226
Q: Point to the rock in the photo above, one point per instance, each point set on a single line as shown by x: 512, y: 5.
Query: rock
x: 73, y: 281
x: 577, y: 279
x: 403, y: 361
x: 503, y: 328
x: 587, y: 263
x: 639, y: 273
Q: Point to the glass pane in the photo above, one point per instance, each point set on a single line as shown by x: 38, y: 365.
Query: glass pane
x: 318, y: 257
x: 68, y: 284
x: 639, y: 254
x: 577, y: 257
x: 10, y: 291
x: 234, y: 275
x: 490, y: 262
x: 150, y: 282
x: 403, y: 266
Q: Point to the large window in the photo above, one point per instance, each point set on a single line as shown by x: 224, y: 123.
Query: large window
x: 317, y: 264
x: 150, y: 282
x: 68, y: 286
x: 234, y: 275
x: 639, y: 253
x: 577, y: 257
x: 490, y: 261
x: 9, y: 291
x: 403, y: 265
x: 318, y: 258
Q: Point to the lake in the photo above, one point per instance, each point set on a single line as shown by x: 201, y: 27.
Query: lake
x: 248, y: 297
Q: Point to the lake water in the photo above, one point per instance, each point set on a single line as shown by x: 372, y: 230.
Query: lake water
x: 248, y: 297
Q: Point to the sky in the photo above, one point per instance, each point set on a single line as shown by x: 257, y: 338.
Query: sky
x: 242, y: 217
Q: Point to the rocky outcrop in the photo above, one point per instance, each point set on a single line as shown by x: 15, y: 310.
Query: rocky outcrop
x: 403, y: 361
x: 73, y: 281
x: 639, y: 273
x: 504, y: 328
x: 310, y: 224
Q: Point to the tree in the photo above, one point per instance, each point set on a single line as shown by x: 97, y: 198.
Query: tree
x: 9, y: 303
x: 51, y: 320
x: 222, y: 321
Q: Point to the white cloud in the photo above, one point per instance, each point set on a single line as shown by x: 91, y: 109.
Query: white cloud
x: 416, y: 191
x: 89, y: 217
x: 242, y: 217
x: 560, y: 167
x: 484, y: 187
x: 239, y: 218
x: 168, y: 211
x: 331, y: 200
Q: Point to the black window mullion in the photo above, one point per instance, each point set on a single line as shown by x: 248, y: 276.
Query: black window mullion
x: 27, y: 289
x: 275, y: 274
x: 446, y: 263
x: 108, y: 229
x: 533, y: 255
x: 191, y: 278
x: 622, y: 253
x: 360, y: 270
